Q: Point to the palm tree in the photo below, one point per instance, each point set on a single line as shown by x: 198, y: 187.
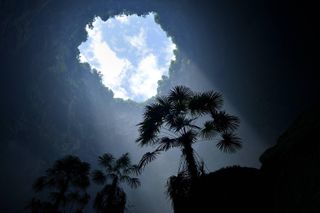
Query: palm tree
x: 69, y: 179
x: 112, y: 198
x: 38, y: 206
x: 181, y: 119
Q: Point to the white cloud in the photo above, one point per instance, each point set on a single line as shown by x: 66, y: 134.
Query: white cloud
x: 130, y: 67
x: 138, y: 41
x: 122, y: 18
x: 111, y: 67
x: 82, y: 58
x: 144, y: 82
x: 170, y: 47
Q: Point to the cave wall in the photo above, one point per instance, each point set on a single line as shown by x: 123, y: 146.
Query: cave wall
x: 45, y: 91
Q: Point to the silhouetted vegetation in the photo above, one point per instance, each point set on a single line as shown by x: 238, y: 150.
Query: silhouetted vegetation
x: 289, y: 170
x: 112, y: 197
x: 65, y: 183
x: 176, y: 121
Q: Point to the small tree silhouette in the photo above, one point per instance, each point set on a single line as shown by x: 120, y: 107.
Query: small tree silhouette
x: 69, y: 179
x: 112, y: 198
x: 176, y: 121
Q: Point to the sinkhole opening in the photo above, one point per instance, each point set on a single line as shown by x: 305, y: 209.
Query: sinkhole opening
x: 131, y: 53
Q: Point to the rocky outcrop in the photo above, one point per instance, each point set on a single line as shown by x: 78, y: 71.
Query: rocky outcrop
x: 231, y: 189
x: 292, y: 167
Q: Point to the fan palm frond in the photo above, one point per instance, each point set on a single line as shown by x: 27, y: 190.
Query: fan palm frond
x: 134, y: 169
x: 179, y: 122
x: 132, y: 182
x: 167, y: 143
x: 164, y: 102
x: 179, y: 107
x: 98, y: 177
x: 208, y: 131
x: 225, y: 122
x: 155, y: 111
x: 189, y: 136
x: 214, y: 99
x: 230, y: 143
x: 147, y: 158
x: 180, y: 93
x: 150, y: 126
x: 123, y: 162
x: 148, y: 133
x: 106, y: 160
x: 202, y: 103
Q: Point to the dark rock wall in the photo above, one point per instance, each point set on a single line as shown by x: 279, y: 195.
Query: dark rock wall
x: 292, y: 167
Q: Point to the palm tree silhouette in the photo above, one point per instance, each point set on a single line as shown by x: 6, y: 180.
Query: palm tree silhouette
x: 112, y: 198
x: 69, y: 179
x: 182, y: 118
x: 38, y: 206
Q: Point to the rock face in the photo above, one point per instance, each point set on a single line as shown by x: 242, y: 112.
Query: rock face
x: 292, y: 167
x: 232, y: 189
x: 288, y: 181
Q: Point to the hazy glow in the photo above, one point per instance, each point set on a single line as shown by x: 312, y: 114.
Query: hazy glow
x: 131, y: 52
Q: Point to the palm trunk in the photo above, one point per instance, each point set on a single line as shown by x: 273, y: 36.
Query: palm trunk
x: 191, y: 162
x: 61, y: 196
x: 58, y: 201
x: 114, y: 186
x: 113, y: 199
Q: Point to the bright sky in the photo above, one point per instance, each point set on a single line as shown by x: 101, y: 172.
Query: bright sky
x: 131, y: 52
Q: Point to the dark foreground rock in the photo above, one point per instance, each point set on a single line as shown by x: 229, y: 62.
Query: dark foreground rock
x: 288, y: 181
x: 292, y: 167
